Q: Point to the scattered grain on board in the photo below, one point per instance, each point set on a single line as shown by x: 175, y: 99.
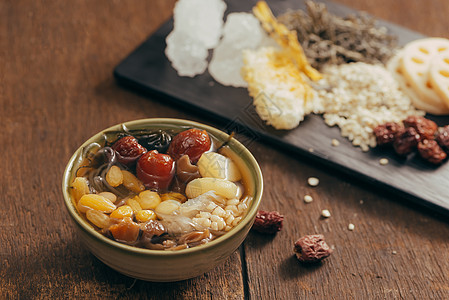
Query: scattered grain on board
x: 383, y: 161
x: 335, y: 143
x: 308, y: 199
x: 325, y: 213
x: 313, y: 181
x: 351, y: 227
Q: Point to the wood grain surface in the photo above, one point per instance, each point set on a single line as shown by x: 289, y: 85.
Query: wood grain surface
x: 57, y: 90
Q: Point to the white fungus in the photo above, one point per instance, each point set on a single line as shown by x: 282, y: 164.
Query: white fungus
x: 241, y: 31
x: 187, y: 56
x: 197, y: 28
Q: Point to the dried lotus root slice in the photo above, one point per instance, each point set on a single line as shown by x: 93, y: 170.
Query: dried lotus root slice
x: 439, y: 75
x: 394, y: 67
x: 415, y: 64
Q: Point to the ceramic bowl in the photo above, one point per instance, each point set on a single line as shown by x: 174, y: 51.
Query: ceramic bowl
x: 160, y: 265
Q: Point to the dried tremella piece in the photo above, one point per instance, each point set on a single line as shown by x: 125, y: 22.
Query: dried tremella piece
x: 197, y: 28
x: 241, y: 31
x: 431, y: 151
x: 311, y: 248
x: 268, y: 222
x: 385, y: 133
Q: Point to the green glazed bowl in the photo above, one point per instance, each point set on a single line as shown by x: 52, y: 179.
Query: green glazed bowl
x: 160, y: 265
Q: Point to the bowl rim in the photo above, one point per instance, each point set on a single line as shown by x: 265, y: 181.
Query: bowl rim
x: 87, y: 228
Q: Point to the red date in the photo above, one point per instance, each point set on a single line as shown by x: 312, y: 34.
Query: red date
x: 268, y: 222
x: 442, y: 137
x: 406, y: 141
x: 312, y: 248
x: 128, y: 150
x: 424, y: 127
x: 418, y: 134
x: 431, y: 151
x: 155, y: 170
x: 192, y: 142
x: 386, y: 133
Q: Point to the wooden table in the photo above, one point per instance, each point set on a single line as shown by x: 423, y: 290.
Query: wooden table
x: 57, y: 89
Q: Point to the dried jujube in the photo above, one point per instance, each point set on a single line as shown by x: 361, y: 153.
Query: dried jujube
x: 155, y: 170
x: 406, y: 141
x: 192, y: 142
x: 128, y: 150
x: 424, y: 127
x: 442, y: 137
x: 312, y: 248
x: 418, y: 133
x: 431, y: 151
x: 385, y: 133
x: 268, y: 222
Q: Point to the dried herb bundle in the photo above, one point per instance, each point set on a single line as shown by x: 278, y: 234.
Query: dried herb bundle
x: 329, y: 39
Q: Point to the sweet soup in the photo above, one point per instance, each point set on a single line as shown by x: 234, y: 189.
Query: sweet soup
x: 161, y: 189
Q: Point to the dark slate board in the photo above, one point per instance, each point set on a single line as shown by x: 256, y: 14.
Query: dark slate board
x: 148, y: 70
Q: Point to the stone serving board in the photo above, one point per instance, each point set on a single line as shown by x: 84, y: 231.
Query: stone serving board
x: 147, y: 70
